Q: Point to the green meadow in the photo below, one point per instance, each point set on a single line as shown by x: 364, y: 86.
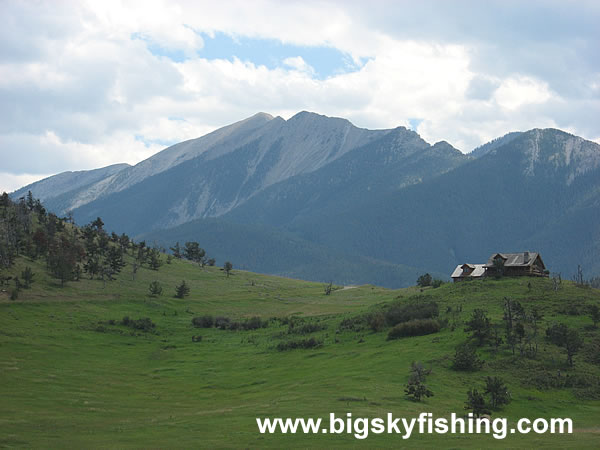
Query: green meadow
x: 73, y: 376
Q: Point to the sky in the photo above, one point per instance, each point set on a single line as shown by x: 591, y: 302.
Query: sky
x: 86, y: 84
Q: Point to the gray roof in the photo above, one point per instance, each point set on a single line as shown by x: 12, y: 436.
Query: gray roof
x: 515, y: 259
x: 478, y: 270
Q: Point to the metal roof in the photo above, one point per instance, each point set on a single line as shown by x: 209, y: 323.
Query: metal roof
x: 514, y: 259
x: 478, y: 271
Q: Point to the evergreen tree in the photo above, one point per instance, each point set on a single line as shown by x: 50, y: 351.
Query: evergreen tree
x: 177, y: 251
x: 479, y: 325
x: 27, y: 276
x: 182, y: 290
x: 155, y: 289
x: 496, y: 389
x: 227, y: 267
x: 476, y: 403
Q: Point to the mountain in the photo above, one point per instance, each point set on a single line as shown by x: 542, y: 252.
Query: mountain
x: 318, y: 198
x: 540, y: 191
x: 493, y: 144
x: 67, y: 182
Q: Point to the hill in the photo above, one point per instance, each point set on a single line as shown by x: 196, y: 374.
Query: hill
x: 95, y: 363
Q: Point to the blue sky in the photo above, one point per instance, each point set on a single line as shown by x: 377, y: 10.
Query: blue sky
x: 88, y: 84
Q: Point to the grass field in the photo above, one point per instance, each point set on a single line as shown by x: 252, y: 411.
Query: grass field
x: 70, y: 379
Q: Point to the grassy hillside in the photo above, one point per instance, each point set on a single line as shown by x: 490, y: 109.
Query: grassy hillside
x: 69, y: 377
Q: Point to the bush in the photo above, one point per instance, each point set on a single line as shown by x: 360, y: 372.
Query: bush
x: 356, y: 323
x: 399, y: 313
x: 254, y: 323
x: 376, y: 321
x: 465, y: 358
x: 144, y: 324
x: 417, y: 327
x: 436, y: 283
x: 222, y: 322
x: 299, y: 343
x: 203, y: 321
x: 305, y: 329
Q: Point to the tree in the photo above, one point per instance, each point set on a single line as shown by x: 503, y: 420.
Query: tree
x: 573, y: 343
x: 416, y: 389
x: 176, y: 251
x: 476, y: 403
x: 563, y: 336
x: 424, y: 280
x: 27, y: 276
x: 328, y: 288
x: 195, y: 253
x: 63, y: 256
x: 182, y: 290
x: 227, y: 267
x: 498, y: 392
x: 97, y: 224
x: 92, y: 266
x: 155, y: 261
x: 479, y: 325
x: 155, y: 289
x: 595, y: 315
x: 115, y: 259
x: 465, y: 358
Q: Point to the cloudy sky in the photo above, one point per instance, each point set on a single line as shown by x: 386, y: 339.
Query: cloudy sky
x: 88, y: 84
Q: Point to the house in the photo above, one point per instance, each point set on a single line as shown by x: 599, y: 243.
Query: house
x: 503, y: 264
x: 468, y: 271
x: 516, y: 264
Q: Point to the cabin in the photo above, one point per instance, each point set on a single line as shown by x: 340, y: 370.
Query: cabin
x: 468, y: 271
x: 516, y: 264
x: 503, y: 264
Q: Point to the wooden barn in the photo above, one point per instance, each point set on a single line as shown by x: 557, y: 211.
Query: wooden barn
x: 516, y: 264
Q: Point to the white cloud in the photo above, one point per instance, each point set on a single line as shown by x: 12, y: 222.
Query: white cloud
x: 81, y: 88
x: 516, y: 92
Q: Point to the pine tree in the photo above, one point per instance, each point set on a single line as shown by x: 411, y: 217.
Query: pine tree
x: 182, y: 290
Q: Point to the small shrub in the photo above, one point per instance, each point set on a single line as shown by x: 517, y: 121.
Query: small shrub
x: 222, y: 323
x: 14, y: 294
x: 254, y: 323
x: 155, y: 289
x: 465, y: 358
x: 144, y: 324
x: 376, y: 321
x: 436, y: 283
x: 305, y: 329
x: 356, y: 323
x: 203, y: 321
x: 299, y: 343
x: 417, y: 327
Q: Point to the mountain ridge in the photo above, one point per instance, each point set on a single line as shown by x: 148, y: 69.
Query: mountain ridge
x: 385, y: 196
